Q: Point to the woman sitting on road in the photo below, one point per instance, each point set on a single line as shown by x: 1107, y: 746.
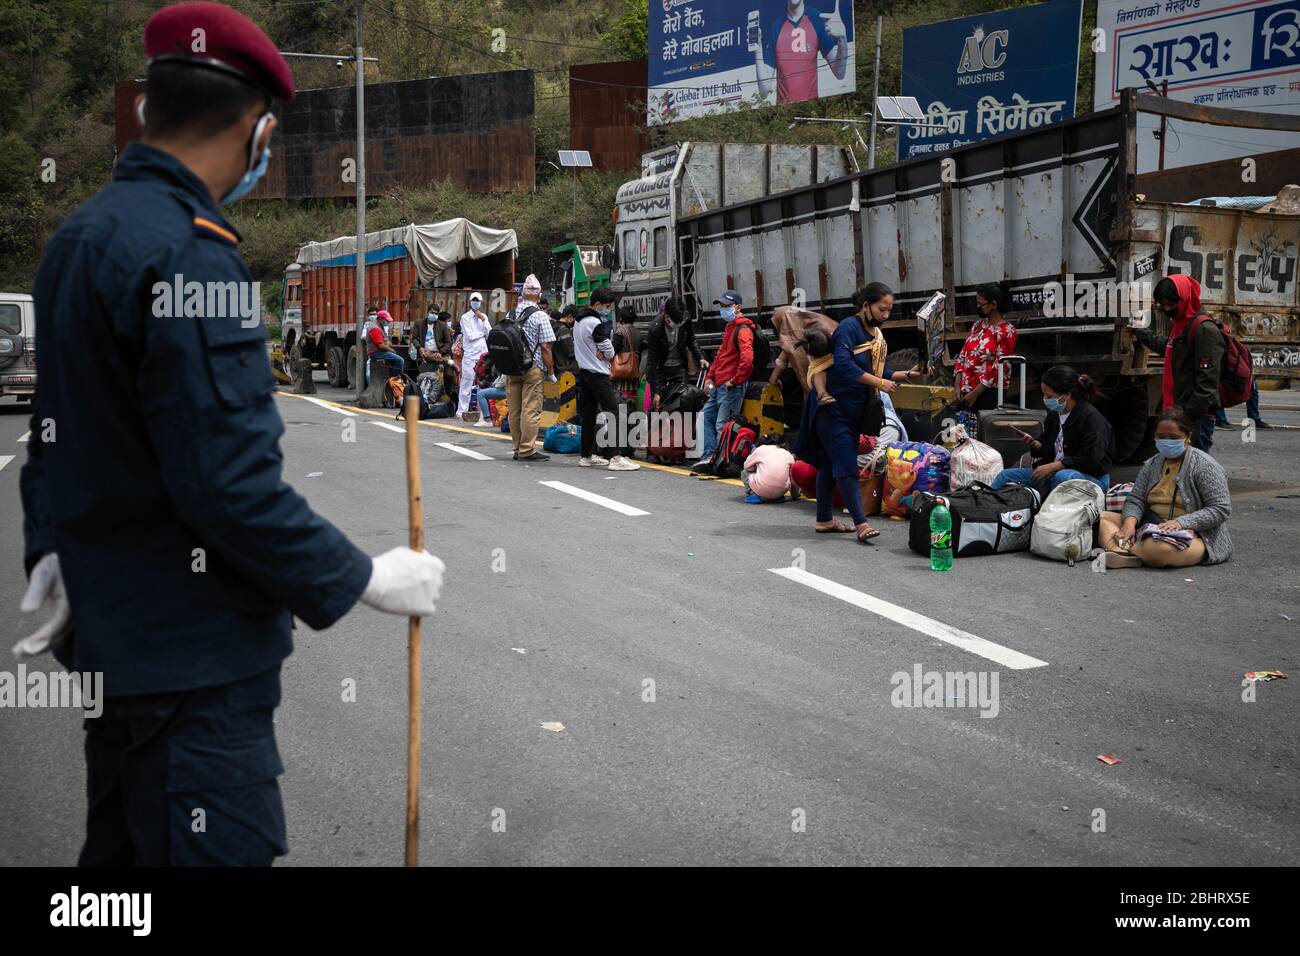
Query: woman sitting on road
x: 828, y: 434
x: 1077, y: 440
x: 1177, y: 513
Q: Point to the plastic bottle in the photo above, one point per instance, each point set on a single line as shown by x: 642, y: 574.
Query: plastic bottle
x: 941, y: 537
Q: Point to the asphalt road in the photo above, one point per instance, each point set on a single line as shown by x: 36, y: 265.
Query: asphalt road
x: 771, y: 698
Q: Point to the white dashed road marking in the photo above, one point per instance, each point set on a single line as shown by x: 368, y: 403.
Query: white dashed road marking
x: 468, y: 453
x: 328, y: 407
x: 4, y: 460
x: 917, y: 622
x: 391, y: 428
x: 595, y: 499
x: 24, y: 436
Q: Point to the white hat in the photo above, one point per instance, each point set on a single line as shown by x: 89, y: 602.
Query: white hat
x: 476, y: 297
x: 532, y: 286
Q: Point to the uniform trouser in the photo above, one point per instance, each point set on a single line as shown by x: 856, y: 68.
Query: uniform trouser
x: 596, y: 394
x: 524, y: 398
x: 186, y: 778
x: 467, y: 381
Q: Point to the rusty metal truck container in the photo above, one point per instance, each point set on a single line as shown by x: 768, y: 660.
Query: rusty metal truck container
x: 687, y: 179
x: 1055, y: 211
x: 407, y: 268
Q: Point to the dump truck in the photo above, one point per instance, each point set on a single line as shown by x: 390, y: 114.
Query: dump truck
x: 407, y: 269
x: 691, y: 178
x: 1056, y: 211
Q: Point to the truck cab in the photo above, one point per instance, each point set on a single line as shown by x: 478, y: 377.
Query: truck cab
x: 575, y: 271
x: 17, y: 345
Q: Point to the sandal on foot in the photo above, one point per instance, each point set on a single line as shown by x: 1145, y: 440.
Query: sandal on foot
x: 835, y: 527
x: 866, y: 533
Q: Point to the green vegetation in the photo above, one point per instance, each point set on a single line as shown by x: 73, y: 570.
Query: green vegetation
x: 60, y: 58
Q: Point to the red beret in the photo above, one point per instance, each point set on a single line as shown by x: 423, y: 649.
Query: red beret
x: 215, y: 36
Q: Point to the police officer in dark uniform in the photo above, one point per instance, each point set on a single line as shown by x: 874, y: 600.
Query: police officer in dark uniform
x: 157, y: 525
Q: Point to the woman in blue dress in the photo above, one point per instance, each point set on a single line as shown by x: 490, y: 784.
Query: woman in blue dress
x: 828, y: 433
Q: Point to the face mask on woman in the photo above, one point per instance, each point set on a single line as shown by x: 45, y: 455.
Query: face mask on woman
x: 1054, y: 404
x: 1171, y: 447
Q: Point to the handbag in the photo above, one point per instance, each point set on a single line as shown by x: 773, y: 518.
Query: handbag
x: 626, y: 367
x: 457, y: 350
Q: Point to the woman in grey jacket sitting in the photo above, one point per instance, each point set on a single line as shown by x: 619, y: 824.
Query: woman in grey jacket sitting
x: 1177, y: 513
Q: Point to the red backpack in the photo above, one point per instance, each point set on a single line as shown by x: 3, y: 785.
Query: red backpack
x: 1238, y: 369
x: 735, y: 442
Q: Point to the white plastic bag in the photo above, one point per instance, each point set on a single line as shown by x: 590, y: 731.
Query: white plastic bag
x: 972, y: 460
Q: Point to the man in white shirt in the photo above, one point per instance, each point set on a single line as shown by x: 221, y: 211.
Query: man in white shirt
x: 474, y: 328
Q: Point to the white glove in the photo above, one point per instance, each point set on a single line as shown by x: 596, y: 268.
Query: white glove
x: 405, y: 582
x: 45, y: 587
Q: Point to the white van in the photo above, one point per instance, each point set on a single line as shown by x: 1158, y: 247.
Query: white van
x: 17, y: 345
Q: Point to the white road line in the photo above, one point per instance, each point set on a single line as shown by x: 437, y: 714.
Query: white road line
x: 4, y: 460
x: 391, y: 428
x: 595, y: 499
x: 328, y: 407
x: 468, y: 453
x: 25, y: 436
x: 917, y: 622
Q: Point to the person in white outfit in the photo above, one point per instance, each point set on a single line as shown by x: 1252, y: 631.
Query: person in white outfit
x: 474, y: 328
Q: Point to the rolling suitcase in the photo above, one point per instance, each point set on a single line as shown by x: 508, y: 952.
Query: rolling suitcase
x: 997, y: 425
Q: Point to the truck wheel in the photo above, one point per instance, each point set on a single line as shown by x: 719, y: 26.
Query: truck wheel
x: 335, y: 371
x: 1126, y: 410
x: 354, y: 370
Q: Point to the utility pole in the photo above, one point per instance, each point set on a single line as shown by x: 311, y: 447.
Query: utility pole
x: 361, y: 202
x: 875, y: 91
x: 360, y: 59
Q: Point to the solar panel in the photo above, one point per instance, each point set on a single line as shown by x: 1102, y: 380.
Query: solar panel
x: 566, y: 158
x: 899, y: 109
x: 574, y: 157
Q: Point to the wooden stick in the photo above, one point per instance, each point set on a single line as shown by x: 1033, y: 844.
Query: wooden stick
x: 411, y: 411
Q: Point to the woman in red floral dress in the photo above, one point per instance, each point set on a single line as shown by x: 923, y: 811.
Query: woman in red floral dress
x: 991, y: 339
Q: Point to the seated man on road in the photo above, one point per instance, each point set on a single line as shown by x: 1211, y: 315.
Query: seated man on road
x: 377, y: 344
x: 1176, y: 515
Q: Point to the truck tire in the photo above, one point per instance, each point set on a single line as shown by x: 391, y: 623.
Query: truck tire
x: 1126, y: 410
x: 353, y: 369
x: 335, y: 370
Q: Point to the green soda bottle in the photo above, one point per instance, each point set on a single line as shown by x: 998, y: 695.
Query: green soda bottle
x: 940, y: 537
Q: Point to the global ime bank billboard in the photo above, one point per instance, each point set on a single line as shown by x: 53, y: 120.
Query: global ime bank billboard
x: 989, y: 74
x: 711, y: 56
x: 1240, y: 54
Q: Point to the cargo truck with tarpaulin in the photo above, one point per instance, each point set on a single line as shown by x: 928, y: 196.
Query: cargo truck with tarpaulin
x: 1058, y: 212
x: 407, y: 268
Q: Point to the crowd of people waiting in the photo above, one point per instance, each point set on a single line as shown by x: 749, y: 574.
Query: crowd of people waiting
x: 1174, y: 515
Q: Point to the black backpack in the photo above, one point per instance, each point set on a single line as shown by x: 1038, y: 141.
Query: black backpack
x: 508, y: 346
x: 762, y: 350
x: 735, y: 442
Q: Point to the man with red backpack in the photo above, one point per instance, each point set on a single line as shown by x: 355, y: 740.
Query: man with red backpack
x: 1205, y: 368
x: 729, y: 373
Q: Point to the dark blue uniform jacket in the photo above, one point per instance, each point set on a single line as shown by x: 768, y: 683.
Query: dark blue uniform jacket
x: 154, y: 461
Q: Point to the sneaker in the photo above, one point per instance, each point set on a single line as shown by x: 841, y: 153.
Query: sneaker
x: 535, y: 456
x: 1260, y: 423
x: 1228, y: 425
x: 620, y: 463
x: 484, y: 423
x: 1117, y: 559
x: 702, y: 467
x: 595, y: 461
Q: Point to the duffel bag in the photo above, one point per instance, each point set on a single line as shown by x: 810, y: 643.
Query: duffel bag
x: 563, y: 439
x: 984, y: 520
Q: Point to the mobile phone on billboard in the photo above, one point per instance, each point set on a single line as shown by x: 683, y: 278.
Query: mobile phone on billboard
x: 755, y: 32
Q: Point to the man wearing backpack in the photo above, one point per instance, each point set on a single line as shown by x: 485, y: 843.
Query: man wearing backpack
x: 729, y: 373
x: 524, y: 387
x: 1193, y: 353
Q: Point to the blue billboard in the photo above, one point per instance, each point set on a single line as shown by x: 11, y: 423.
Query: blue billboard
x: 709, y: 56
x: 990, y: 74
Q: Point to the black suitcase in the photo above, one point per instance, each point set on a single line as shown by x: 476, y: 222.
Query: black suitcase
x: 997, y: 426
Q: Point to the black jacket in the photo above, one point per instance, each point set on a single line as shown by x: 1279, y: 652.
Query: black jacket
x: 656, y: 349
x: 1197, y: 361
x: 442, y: 337
x: 1089, y: 441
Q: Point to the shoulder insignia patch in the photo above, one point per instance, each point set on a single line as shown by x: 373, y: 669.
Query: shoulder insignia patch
x: 204, y: 226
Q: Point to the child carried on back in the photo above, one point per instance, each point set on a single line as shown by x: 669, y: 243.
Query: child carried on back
x: 818, y: 346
